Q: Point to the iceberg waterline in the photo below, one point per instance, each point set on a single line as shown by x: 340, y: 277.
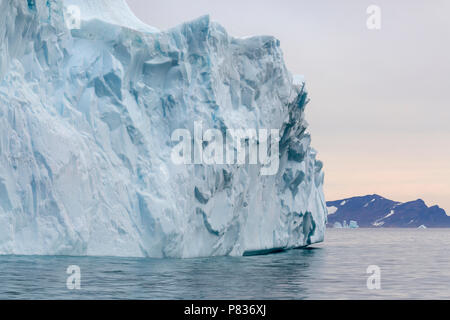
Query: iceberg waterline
x: 86, y: 121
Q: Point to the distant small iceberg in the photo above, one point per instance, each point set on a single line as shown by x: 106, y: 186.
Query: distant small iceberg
x: 352, y: 225
x: 337, y: 225
x: 422, y: 227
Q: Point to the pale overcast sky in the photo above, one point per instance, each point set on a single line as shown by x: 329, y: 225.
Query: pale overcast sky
x: 380, y: 103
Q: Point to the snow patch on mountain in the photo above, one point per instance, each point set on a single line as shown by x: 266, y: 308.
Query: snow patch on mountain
x: 332, y: 210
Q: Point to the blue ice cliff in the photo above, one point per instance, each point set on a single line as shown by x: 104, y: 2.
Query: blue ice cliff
x: 86, y: 117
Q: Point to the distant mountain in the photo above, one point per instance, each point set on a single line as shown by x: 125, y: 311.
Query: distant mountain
x: 374, y: 211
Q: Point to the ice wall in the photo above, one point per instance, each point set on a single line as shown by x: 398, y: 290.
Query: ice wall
x: 86, y: 117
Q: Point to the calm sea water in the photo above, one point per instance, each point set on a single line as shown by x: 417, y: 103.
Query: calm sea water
x: 414, y: 264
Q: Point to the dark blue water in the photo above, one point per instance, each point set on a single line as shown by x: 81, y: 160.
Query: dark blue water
x: 414, y: 264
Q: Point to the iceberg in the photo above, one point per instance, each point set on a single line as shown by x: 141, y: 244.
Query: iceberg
x: 353, y: 224
x: 337, y: 225
x: 87, y: 111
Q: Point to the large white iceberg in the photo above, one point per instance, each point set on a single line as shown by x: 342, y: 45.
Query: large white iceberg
x: 86, y: 117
